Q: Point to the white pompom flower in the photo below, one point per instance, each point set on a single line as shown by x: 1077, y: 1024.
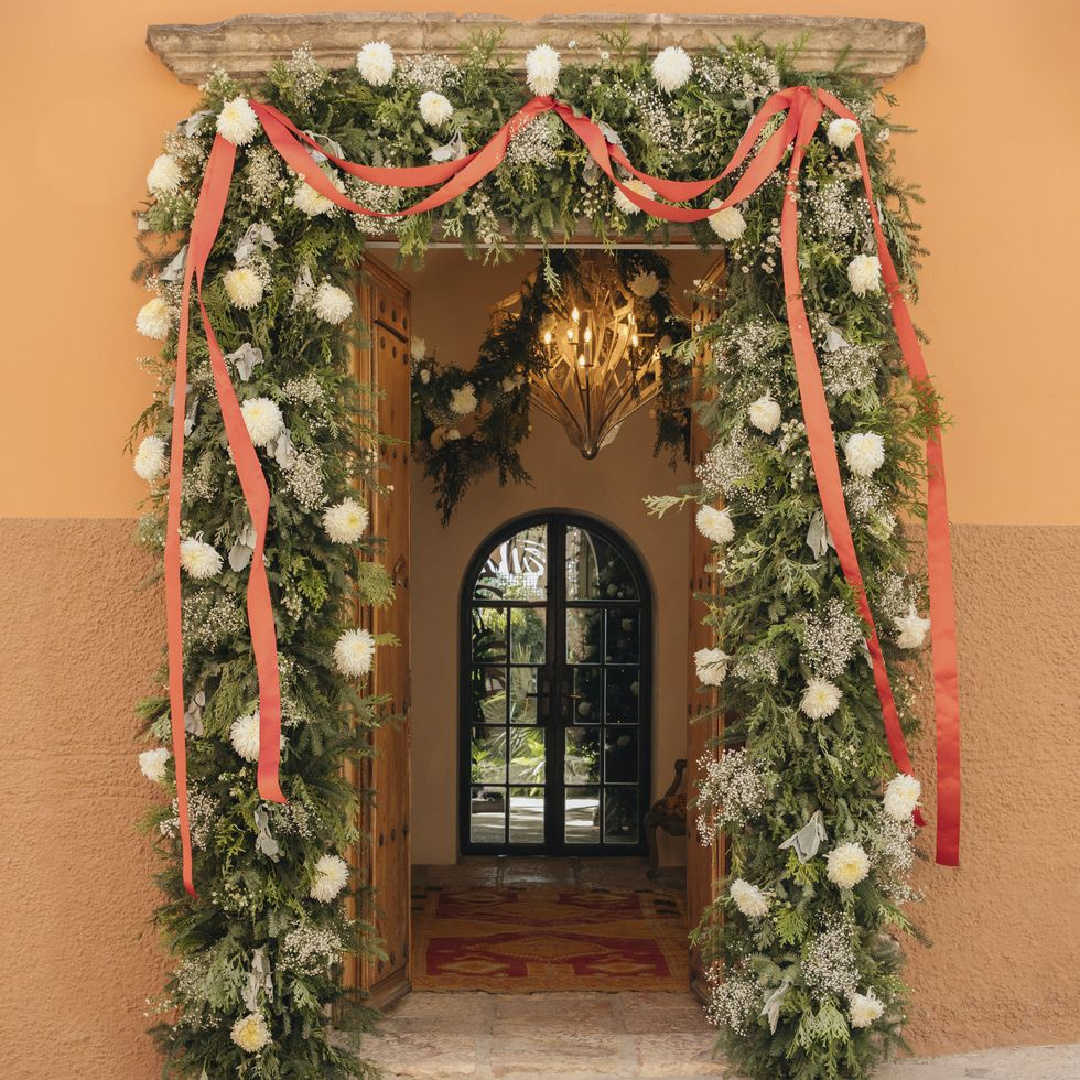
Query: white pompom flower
x: 263, y: 419
x: 672, y: 68
x: 164, y: 176
x: 345, y: 522
x: 864, y: 452
x: 155, y: 319
x: 911, y: 629
x: 199, y: 559
x: 435, y: 109
x: 902, y: 795
x: 332, y: 305
x: 150, y: 462
x: 331, y: 876
x: 463, y: 399
x: 243, y: 287
x: 848, y: 864
x: 244, y: 736
x: 152, y: 763
x: 375, y: 62
x: 715, y: 524
x: 250, y: 1033
x: 764, y: 414
x: 542, y: 67
x: 865, y: 1009
x: 728, y: 223
x: 354, y: 653
x: 237, y: 121
x: 640, y: 188
x: 864, y: 273
x: 710, y: 666
x: 418, y: 349
x: 645, y: 285
x: 821, y: 698
x: 309, y: 202
x: 842, y: 133
x: 749, y: 899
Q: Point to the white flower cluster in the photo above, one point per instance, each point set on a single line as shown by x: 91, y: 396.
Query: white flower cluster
x: 307, y: 75
x: 710, y: 666
x: 830, y: 638
x: 375, y: 62
x: 304, y: 479
x: 732, y: 792
x: 672, y: 68
x: 428, y: 71
x: 345, y: 522
x: 848, y: 865
x: 757, y: 665
x: 310, y: 950
x: 330, y: 876
x: 830, y: 966
x: 237, y: 121
x: 728, y: 223
x: 542, y: 67
x: 536, y: 144
x: 834, y: 213
x: 639, y: 187
x: 209, y: 619
x: 848, y: 369
x: 743, y: 77
x: 725, y: 465
x: 734, y: 1002
x: 715, y: 524
x: 435, y: 108
x: 251, y: 1033
x: 820, y: 699
x: 354, y: 653
x: 753, y: 902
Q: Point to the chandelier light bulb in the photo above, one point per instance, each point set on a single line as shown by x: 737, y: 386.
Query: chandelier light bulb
x: 576, y: 316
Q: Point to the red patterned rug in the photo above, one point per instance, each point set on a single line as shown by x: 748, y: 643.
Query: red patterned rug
x: 519, y: 939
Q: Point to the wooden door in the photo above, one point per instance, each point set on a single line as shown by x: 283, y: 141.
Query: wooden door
x: 382, y: 859
x: 704, y: 864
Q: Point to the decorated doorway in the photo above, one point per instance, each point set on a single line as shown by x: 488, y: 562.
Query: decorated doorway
x: 555, y: 672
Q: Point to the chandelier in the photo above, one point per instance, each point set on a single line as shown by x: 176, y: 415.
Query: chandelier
x: 602, y: 352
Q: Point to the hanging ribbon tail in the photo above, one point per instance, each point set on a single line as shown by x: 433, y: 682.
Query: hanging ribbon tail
x: 943, y: 645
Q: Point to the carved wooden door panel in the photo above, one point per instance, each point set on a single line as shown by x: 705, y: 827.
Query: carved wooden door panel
x: 704, y: 864
x: 382, y: 859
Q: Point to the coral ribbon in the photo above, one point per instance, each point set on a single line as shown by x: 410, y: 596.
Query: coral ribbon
x: 803, y: 108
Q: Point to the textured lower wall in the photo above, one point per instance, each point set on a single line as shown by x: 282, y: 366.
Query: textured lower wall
x: 79, y: 643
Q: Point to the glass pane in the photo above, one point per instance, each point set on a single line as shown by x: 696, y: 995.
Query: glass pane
x: 595, y: 570
x: 527, y: 815
x: 487, y: 821
x: 586, y: 696
x: 528, y: 758
x: 528, y: 635
x: 489, y: 695
x: 488, y: 635
x: 582, y: 815
x: 524, y: 684
x: 620, y: 815
x: 581, y: 762
x: 584, y: 635
x: 516, y: 569
x: 622, y: 636
x: 622, y: 695
x: 489, y: 755
x: 620, y: 755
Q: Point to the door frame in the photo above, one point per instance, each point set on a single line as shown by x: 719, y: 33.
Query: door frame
x: 559, y: 517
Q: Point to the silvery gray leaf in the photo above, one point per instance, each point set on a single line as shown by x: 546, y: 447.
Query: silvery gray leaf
x: 865, y: 650
x: 258, y: 236
x: 316, y: 155
x: 771, y: 1011
x: 818, y: 536
x: 239, y: 556
x: 834, y: 340
x: 248, y: 536
x: 245, y: 359
x: 808, y: 840
x: 175, y: 270
x: 610, y: 134
x: 193, y: 722
x: 590, y: 173
x: 191, y: 124
x: 268, y: 846
x: 189, y: 416
x: 454, y: 150
x: 284, y: 451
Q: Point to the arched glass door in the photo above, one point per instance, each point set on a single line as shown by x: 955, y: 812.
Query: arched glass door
x: 555, y: 692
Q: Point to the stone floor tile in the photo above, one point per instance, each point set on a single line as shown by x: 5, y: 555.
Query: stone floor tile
x: 676, y: 1055
x: 564, y: 1056
x: 422, y: 1057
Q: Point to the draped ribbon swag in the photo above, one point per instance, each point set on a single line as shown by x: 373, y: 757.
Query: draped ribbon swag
x: 803, y: 109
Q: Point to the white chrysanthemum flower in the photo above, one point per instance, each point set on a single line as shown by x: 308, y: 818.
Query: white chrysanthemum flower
x: 243, y: 287
x: 542, y: 66
x: 310, y: 202
x: 749, y: 899
x: 375, y: 62
x: 842, y: 133
x: 645, y: 285
x: 244, y: 736
x: 715, y: 525
x: 331, y: 876
x: 354, y: 653
x: 710, y: 666
x: 164, y: 176
x: 764, y: 414
x: 199, y: 559
x: 864, y: 273
x: 345, y: 523
x: 332, y: 305
x: 902, y: 794
x: 150, y: 461
x: 152, y: 763
x: 848, y: 865
x: 237, y: 121
x: 425, y: 375
x: 865, y: 1009
x: 728, y: 223
x: 463, y: 399
x: 912, y: 629
x: 638, y: 186
x: 672, y: 68
x: 435, y: 109
x: 263, y: 419
x: 820, y: 699
x: 418, y: 349
x: 864, y: 453
x: 250, y: 1033
x: 155, y: 319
